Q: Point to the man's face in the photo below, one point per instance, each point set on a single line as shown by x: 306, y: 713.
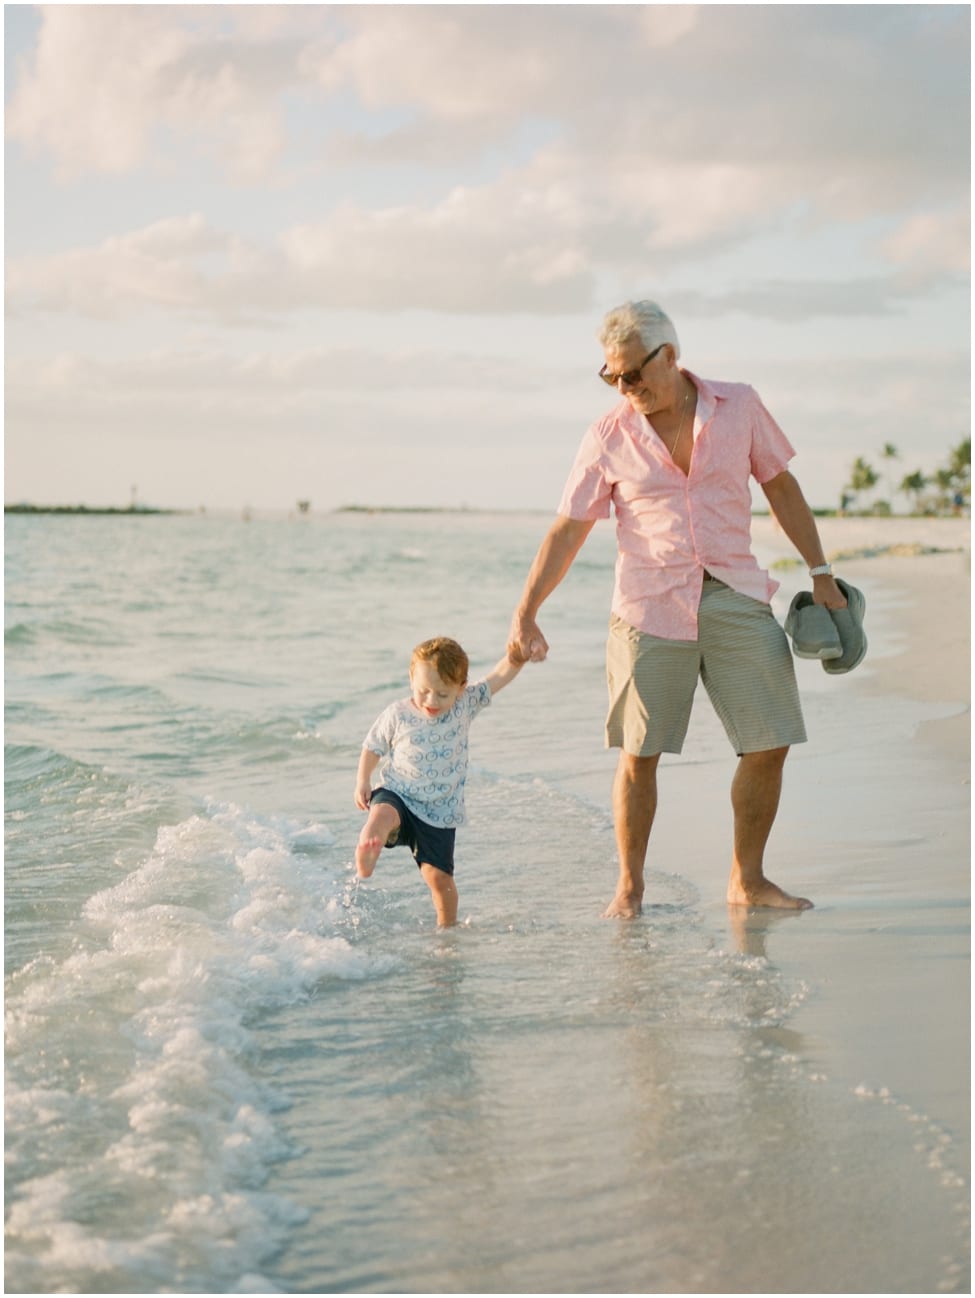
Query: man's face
x: 653, y: 390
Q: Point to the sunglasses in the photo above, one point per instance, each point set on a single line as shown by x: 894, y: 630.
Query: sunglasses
x: 629, y: 377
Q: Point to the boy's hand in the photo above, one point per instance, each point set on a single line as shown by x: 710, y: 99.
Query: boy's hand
x: 363, y: 796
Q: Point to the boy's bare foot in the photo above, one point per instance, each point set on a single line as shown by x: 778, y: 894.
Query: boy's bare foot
x: 625, y: 905
x: 764, y: 893
x: 366, y: 856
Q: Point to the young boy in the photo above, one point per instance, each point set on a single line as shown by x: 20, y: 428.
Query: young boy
x: 422, y: 742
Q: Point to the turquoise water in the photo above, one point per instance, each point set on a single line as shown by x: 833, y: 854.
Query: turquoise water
x: 232, y: 1068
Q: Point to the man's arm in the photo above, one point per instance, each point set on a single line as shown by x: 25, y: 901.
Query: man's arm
x: 789, y: 506
x: 562, y: 543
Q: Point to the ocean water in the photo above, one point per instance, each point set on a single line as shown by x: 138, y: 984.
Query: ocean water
x: 232, y: 1068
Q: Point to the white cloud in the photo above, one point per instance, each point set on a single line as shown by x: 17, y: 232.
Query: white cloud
x: 789, y: 179
x: 104, y: 80
x: 932, y: 242
x: 267, y: 426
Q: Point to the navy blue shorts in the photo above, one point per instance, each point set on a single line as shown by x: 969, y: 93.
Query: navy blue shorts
x: 430, y: 844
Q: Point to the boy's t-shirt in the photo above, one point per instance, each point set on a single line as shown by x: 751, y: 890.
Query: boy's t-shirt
x: 425, y: 758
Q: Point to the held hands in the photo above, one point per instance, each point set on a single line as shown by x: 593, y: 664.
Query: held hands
x: 526, y: 642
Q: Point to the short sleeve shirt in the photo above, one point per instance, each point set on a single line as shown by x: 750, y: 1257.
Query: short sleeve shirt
x: 425, y: 758
x: 670, y: 527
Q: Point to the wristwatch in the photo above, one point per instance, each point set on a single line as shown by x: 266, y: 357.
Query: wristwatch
x: 824, y: 570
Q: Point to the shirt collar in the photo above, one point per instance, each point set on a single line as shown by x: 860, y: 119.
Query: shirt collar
x: 707, y: 400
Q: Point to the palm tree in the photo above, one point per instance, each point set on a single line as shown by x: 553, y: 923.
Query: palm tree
x: 890, y: 453
x: 913, y: 485
x: 944, y: 480
x: 960, y: 466
x: 862, y: 476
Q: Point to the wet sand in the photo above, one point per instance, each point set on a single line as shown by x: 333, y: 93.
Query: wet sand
x: 875, y: 828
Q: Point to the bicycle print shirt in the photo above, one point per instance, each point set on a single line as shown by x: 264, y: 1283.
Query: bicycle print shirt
x: 425, y: 758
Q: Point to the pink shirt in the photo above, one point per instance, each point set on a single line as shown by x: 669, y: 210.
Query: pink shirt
x: 669, y: 527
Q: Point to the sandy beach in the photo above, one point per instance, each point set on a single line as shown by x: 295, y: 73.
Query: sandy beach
x: 898, y: 999
x: 874, y: 827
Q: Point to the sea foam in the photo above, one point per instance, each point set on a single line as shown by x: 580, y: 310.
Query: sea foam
x: 147, y: 1029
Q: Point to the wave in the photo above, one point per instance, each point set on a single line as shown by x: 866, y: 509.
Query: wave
x: 19, y: 633
x: 131, y: 1102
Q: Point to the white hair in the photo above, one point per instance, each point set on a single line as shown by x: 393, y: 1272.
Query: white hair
x: 644, y: 320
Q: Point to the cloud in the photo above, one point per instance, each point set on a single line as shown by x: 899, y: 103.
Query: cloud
x: 310, y: 370
x: 161, y: 265
x: 802, y: 298
x: 503, y: 248
x: 634, y: 163
x: 204, y: 424
x: 865, y: 105
x: 106, y: 81
x: 935, y: 242
x: 477, y: 250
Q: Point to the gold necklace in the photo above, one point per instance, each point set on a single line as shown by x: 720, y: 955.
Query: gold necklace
x: 683, y: 415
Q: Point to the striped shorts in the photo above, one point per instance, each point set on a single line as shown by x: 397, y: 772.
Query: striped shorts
x: 741, y: 654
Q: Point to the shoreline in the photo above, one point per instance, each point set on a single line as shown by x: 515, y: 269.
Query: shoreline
x: 873, y: 827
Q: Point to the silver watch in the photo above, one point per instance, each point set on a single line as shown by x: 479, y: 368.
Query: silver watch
x: 824, y: 570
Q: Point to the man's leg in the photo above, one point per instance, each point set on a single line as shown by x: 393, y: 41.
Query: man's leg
x: 634, y: 807
x: 755, y: 793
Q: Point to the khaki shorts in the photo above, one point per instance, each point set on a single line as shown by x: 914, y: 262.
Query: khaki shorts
x: 741, y: 654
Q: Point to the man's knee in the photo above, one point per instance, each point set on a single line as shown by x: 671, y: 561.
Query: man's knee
x: 769, y: 759
x: 637, y: 768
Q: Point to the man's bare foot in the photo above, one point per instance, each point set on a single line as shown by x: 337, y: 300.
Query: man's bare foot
x: 625, y: 905
x: 366, y: 856
x: 764, y: 893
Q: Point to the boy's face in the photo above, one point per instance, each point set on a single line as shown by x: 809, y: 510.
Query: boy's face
x: 431, y: 695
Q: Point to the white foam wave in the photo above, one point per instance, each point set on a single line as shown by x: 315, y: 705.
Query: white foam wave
x: 137, y: 1050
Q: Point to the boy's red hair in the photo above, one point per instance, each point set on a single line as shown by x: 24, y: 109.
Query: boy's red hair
x: 448, y: 658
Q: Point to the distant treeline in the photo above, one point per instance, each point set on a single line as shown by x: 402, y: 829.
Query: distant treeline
x: 83, y: 509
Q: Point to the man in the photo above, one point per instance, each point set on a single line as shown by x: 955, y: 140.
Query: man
x: 673, y: 458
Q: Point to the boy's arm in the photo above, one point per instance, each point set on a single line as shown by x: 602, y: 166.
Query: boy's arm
x: 503, y: 674
x: 368, y: 761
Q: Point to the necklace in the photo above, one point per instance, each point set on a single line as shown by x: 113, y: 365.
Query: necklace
x: 680, y: 427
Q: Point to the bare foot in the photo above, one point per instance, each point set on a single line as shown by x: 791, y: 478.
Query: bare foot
x: 764, y: 893
x: 625, y: 905
x: 366, y: 856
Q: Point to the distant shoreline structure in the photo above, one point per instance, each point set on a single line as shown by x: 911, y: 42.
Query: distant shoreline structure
x: 87, y: 509
x: 249, y: 513
x: 418, y: 509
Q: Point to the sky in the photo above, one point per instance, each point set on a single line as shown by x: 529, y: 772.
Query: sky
x: 359, y: 254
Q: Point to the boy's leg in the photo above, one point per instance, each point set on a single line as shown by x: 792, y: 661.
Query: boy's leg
x: 444, y: 893
x: 380, y: 823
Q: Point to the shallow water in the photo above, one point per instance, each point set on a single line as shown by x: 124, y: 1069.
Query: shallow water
x: 231, y: 1067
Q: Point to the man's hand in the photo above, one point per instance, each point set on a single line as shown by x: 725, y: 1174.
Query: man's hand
x: 525, y: 641
x: 826, y: 592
